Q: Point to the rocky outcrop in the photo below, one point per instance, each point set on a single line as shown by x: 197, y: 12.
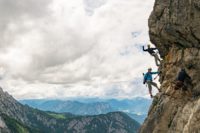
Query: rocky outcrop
x: 3, y: 126
x: 175, y: 30
x: 175, y: 23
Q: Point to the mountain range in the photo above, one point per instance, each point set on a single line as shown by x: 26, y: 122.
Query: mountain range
x: 18, y: 118
x: 94, y: 106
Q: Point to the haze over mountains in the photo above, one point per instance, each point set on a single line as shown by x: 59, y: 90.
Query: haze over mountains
x: 94, y: 106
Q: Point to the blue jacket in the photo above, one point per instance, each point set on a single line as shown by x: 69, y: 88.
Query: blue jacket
x: 148, y: 76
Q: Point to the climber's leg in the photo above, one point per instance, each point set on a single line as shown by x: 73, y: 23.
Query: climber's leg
x: 154, y: 84
x: 150, y: 88
x: 156, y: 58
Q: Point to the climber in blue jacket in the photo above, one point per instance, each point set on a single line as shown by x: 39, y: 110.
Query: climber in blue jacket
x: 148, y: 78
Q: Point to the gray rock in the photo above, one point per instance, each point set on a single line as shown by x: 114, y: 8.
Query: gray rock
x: 174, y: 27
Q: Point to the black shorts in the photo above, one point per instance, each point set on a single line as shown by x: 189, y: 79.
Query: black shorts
x: 178, y: 85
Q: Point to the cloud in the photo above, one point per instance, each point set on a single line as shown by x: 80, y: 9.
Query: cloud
x: 15, y: 16
x: 92, y: 5
x: 74, y: 48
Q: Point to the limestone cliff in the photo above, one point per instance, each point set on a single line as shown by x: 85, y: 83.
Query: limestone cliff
x: 174, y: 27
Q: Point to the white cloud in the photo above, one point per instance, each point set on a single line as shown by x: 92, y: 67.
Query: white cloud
x: 66, y: 51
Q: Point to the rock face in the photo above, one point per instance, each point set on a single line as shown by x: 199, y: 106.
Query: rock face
x: 175, y: 30
x: 175, y: 23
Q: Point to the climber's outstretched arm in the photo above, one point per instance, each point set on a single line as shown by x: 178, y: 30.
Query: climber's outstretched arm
x: 154, y: 48
x: 154, y: 72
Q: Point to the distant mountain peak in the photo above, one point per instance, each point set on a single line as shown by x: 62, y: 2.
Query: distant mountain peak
x: 18, y: 118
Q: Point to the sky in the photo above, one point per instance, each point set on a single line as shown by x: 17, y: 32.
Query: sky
x: 57, y: 49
